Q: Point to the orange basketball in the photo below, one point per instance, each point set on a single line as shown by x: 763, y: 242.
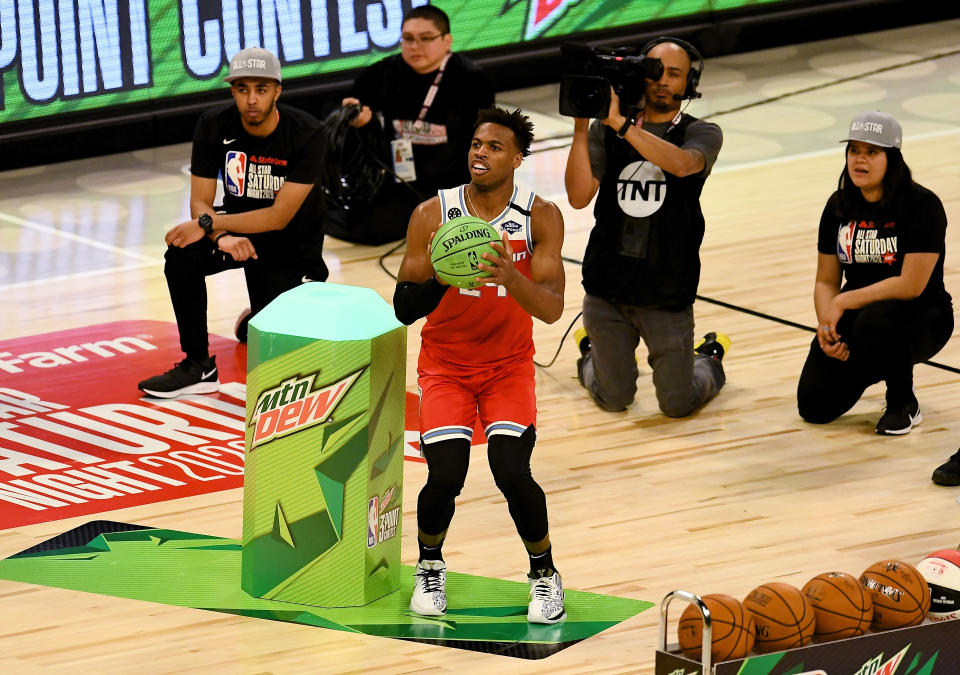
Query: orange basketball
x: 842, y: 606
x: 900, y: 594
x: 732, y: 636
x: 784, y: 618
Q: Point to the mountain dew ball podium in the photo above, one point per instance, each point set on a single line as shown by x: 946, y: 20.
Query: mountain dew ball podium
x: 457, y: 250
x: 323, y: 484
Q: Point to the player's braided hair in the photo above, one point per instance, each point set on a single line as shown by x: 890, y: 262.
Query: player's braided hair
x: 353, y: 160
x: 517, y: 122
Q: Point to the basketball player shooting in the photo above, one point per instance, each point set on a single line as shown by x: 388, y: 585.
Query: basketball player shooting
x: 476, y: 355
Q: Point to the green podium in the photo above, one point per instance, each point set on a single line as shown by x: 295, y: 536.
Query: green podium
x: 323, y: 490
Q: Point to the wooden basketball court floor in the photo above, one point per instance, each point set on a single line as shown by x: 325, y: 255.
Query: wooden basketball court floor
x: 741, y: 493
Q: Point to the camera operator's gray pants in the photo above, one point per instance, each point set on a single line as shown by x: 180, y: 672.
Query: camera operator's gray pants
x: 683, y: 381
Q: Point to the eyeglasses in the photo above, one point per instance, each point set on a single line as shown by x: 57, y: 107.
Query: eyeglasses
x: 410, y: 40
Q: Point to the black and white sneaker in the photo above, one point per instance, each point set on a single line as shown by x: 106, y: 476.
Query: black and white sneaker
x: 187, y: 377
x: 898, y: 420
x: 546, y: 600
x: 429, y: 590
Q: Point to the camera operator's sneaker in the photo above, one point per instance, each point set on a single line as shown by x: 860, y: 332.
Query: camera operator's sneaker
x: 187, y: 377
x: 899, y: 419
x: 583, y: 344
x: 546, y: 600
x: 429, y: 590
x: 949, y: 472
x: 714, y: 345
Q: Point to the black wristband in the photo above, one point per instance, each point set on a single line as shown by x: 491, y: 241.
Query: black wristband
x: 216, y: 240
x: 627, y: 123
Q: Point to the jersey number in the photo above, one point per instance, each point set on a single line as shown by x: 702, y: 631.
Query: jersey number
x: 475, y: 292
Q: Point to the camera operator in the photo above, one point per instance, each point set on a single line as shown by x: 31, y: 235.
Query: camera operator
x: 641, y: 267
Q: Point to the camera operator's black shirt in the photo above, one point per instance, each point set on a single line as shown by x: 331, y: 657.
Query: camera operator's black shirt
x: 397, y: 91
x: 644, y: 249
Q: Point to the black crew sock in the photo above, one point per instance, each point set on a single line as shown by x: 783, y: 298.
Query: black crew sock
x: 541, y: 564
x: 430, y: 552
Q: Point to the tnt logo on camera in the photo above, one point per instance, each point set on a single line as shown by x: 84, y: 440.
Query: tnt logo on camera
x: 641, y: 189
x: 235, y: 173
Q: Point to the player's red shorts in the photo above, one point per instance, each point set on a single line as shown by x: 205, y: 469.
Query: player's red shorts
x: 505, y: 400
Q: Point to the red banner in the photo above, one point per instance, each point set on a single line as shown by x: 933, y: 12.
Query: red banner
x: 77, y: 437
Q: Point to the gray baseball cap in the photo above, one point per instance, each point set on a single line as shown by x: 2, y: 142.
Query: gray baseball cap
x: 877, y: 128
x: 254, y: 62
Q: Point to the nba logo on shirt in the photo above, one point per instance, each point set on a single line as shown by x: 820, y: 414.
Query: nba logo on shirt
x: 845, y: 242
x: 235, y: 173
x: 373, y: 516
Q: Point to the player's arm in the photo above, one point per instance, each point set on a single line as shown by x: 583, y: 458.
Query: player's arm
x: 578, y: 178
x: 825, y: 289
x: 542, y: 294
x: 202, y: 193
x: 913, y: 278
x: 286, y: 203
x: 671, y: 158
x: 418, y: 291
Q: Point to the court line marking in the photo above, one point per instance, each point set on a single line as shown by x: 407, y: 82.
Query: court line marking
x: 29, y: 224
x: 78, y: 275
x: 772, y: 160
x: 838, y: 150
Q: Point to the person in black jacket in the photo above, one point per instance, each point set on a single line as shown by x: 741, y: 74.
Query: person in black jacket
x: 257, y: 146
x: 885, y: 235
x: 427, y: 99
x: 641, y: 267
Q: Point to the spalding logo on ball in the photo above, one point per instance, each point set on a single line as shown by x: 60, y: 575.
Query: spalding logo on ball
x: 458, y: 248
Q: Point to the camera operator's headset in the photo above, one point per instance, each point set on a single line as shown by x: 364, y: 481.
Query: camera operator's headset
x: 696, y: 62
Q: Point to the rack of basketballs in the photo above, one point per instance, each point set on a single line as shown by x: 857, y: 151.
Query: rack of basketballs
x: 777, y: 616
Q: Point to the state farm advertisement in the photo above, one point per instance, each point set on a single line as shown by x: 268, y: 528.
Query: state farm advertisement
x: 78, y: 438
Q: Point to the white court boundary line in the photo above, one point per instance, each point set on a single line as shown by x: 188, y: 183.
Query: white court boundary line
x: 826, y: 151
x: 789, y: 158
x: 78, y: 275
x: 29, y: 224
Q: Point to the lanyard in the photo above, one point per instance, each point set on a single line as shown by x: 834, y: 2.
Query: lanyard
x: 431, y: 94
x: 675, y: 122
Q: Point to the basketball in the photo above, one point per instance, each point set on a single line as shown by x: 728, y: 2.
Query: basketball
x: 732, y: 636
x: 843, y: 608
x: 941, y: 569
x: 457, y: 250
x: 783, y: 617
x: 901, y: 596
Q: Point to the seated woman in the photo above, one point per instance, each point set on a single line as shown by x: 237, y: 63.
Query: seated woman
x: 884, y: 234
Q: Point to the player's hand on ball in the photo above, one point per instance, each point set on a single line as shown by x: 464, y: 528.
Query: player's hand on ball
x: 499, y: 265
x: 184, y: 234
x: 238, y: 248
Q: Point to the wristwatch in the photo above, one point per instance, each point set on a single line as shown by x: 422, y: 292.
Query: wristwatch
x: 627, y: 123
x: 205, y: 221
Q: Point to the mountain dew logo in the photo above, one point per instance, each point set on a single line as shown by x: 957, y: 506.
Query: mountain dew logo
x: 294, y: 405
x: 541, y: 14
x: 874, y: 667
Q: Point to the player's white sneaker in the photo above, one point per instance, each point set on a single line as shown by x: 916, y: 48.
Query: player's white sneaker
x: 546, y: 600
x: 429, y: 590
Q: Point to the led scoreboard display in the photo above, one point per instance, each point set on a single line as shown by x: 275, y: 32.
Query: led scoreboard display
x: 63, y: 57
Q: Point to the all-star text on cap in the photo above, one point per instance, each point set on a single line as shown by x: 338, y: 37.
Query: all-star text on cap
x: 877, y: 128
x: 254, y: 62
